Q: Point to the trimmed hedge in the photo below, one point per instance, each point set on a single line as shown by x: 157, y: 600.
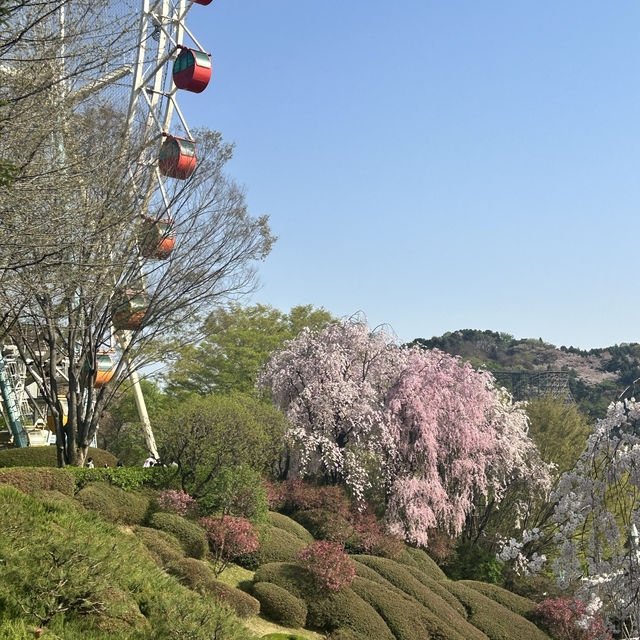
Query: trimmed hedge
x: 347, y: 634
x: 327, y: 525
x: 363, y: 571
x: 420, y: 560
x: 524, y: 607
x: 279, y: 605
x: 48, y: 457
x: 114, y: 504
x: 498, y: 622
x: 198, y: 576
x: 57, y: 498
x: 400, y: 577
x: 276, y: 546
x: 127, y: 478
x: 325, y: 612
x: 163, y: 547
x: 191, y: 536
x: 33, y: 481
x: 437, y: 587
x: 407, y: 618
x: 290, y: 526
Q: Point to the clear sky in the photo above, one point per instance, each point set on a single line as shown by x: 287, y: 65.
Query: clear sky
x: 438, y: 165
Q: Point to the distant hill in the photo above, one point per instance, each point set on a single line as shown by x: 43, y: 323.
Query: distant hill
x: 596, y: 377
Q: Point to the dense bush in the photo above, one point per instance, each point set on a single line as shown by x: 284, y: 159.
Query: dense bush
x: 56, y: 498
x: 236, y: 491
x: 407, y: 619
x: 438, y: 587
x: 229, y: 538
x: 522, y: 606
x: 33, y: 481
x: 567, y: 619
x: 289, y: 576
x: 496, y: 621
x: 127, y: 478
x: 290, y: 526
x: 402, y: 579
x: 279, y: 605
x: 327, y: 525
x: 243, y: 605
x: 419, y: 559
x: 327, y: 562
x: 114, y: 504
x: 178, y: 502
x: 47, y: 457
x: 472, y: 562
x: 296, y: 495
x: 163, y: 547
x: 191, y: 536
x: 371, y: 536
x: 276, y: 545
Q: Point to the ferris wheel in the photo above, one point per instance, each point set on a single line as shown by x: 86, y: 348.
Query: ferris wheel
x: 153, y: 56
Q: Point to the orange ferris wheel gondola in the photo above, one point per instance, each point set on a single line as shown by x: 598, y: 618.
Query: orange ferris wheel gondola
x: 128, y: 308
x: 157, y: 238
x: 177, y: 157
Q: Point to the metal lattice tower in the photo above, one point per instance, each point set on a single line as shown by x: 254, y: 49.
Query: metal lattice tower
x: 529, y: 385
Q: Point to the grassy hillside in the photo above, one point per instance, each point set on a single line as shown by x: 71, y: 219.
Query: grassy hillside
x: 88, y: 563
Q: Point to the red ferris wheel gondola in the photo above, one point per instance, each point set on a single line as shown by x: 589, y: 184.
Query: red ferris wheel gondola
x: 128, y: 308
x: 203, y: 1
x: 177, y: 157
x: 192, y: 70
x: 157, y: 238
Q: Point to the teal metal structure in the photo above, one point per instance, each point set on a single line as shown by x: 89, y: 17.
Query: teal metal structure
x: 20, y: 438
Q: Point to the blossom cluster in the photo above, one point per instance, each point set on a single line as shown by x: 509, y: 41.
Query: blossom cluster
x: 229, y: 537
x: 179, y: 502
x: 328, y: 563
x: 569, y: 619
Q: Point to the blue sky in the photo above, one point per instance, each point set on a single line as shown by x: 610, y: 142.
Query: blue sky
x: 438, y: 165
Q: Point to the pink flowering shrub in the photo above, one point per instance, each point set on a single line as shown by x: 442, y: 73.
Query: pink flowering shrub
x: 371, y: 535
x: 569, y: 619
x: 328, y: 563
x: 178, y: 502
x: 229, y: 537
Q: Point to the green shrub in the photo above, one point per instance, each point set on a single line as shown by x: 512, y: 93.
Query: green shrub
x: 401, y: 578
x: 57, y: 498
x: 419, y: 559
x: 114, y: 504
x: 496, y: 621
x: 327, y: 525
x: 48, y: 457
x: 33, y: 481
x: 407, y: 618
x: 283, y: 636
x: 290, y: 526
x: 347, y: 634
x: 474, y: 563
x: 276, y: 545
x: 127, y: 478
x: 243, y: 604
x: 437, y: 587
x: 279, y: 605
x: 292, y: 577
x: 163, y: 547
x: 518, y: 604
x: 191, y: 536
x: 17, y: 630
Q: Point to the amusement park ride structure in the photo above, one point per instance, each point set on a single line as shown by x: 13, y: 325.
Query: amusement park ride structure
x: 161, y: 36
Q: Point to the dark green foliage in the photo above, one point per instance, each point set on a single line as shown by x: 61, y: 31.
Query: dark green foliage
x: 114, y: 504
x: 419, y: 559
x: 364, y: 571
x: 276, y: 545
x: 47, y: 457
x: 407, y: 619
x: 497, y: 622
x: 347, y: 634
x: 402, y: 579
x: 56, y: 498
x: 279, y: 605
x: 198, y: 576
x: 236, y: 491
x: 325, y: 611
x: 470, y: 561
x: 127, y: 478
x: 163, y: 547
x: 290, y: 526
x: 282, y: 636
x: 191, y: 536
x: 438, y: 587
x: 522, y: 606
x: 326, y: 525
x: 33, y: 481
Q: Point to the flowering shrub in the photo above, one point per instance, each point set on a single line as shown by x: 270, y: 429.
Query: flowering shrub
x: 229, y: 537
x: 329, y: 564
x: 371, y: 536
x: 178, y: 502
x: 571, y: 620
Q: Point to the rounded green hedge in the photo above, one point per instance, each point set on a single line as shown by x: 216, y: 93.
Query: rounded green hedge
x: 292, y: 577
x: 33, y: 481
x: 438, y: 587
x: 48, y: 457
x: 191, y: 536
x: 276, y: 546
x: 419, y: 559
x: 114, y: 504
x: 327, y: 525
x: 518, y: 604
x: 290, y: 526
x: 279, y: 605
x: 496, y: 621
x: 164, y: 547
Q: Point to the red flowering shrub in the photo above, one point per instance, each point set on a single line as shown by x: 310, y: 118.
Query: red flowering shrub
x: 296, y: 495
x: 569, y: 619
x: 371, y: 536
x: 178, y: 502
x: 229, y: 537
x: 329, y: 564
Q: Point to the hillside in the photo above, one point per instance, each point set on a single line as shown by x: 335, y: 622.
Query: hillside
x: 66, y: 575
x: 596, y: 377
